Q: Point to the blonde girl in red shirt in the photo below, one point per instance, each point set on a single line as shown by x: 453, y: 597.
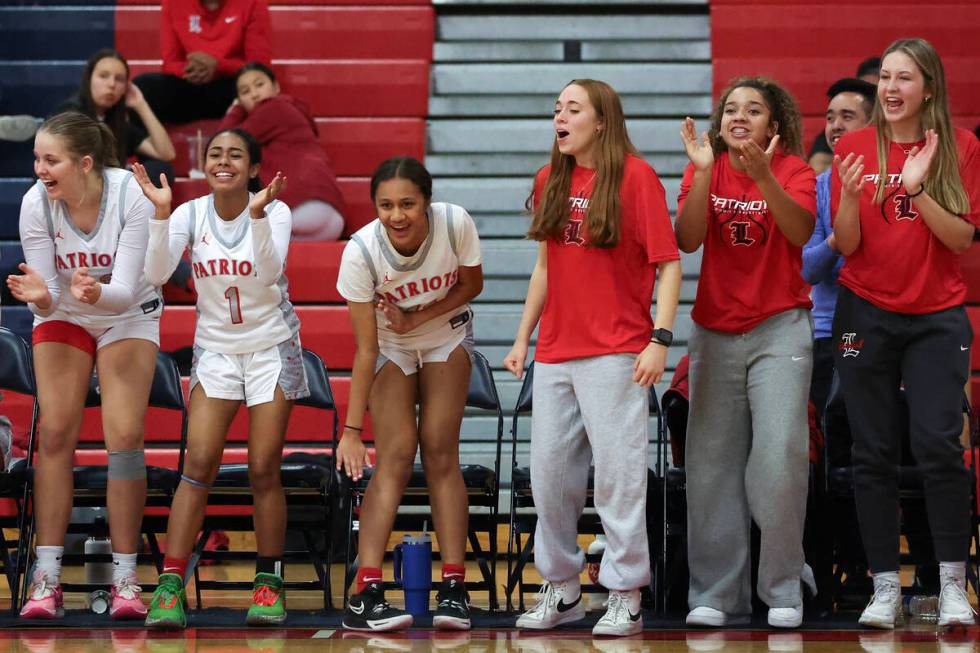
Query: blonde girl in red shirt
x: 900, y: 318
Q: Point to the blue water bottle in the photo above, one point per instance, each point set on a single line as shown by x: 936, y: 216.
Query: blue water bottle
x: 413, y: 569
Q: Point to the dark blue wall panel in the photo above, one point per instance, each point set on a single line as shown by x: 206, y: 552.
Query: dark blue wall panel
x: 62, y: 33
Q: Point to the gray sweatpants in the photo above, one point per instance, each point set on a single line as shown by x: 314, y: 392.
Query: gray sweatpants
x: 747, y: 459
x: 584, y: 410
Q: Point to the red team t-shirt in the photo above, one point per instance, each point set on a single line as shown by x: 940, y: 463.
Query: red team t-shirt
x: 900, y: 265
x: 749, y: 271
x: 599, y: 299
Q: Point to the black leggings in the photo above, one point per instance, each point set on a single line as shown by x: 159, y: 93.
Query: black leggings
x: 878, y: 351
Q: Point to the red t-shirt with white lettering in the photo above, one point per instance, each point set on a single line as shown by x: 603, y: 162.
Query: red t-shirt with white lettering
x: 900, y: 265
x: 749, y: 271
x: 599, y: 299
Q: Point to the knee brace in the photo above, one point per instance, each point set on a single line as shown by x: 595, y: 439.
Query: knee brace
x: 190, y: 481
x: 127, y: 465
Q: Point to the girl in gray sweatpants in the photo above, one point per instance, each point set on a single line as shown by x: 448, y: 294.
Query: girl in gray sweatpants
x: 750, y: 200
x: 605, y: 239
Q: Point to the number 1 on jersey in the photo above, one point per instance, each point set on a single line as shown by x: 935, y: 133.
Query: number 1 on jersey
x: 234, y: 304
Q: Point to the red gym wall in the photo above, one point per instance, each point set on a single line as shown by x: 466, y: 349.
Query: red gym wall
x: 809, y: 45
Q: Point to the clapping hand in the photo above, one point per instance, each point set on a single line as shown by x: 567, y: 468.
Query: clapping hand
x: 29, y: 287
x: 700, y: 153
x: 84, y: 287
x: 161, y: 198
x: 917, y: 164
x: 851, y: 171
x: 265, y: 196
x: 756, y: 160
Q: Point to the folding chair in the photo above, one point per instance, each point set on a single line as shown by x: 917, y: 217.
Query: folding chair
x: 482, y: 488
x: 91, y: 481
x: 310, y: 487
x: 520, y: 543
x: 16, y: 375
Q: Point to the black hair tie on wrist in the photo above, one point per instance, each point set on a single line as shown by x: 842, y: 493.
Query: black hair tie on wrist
x: 922, y: 187
x: 353, y: 428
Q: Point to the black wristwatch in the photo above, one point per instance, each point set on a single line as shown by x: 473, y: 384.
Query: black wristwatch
x: 662, y: 337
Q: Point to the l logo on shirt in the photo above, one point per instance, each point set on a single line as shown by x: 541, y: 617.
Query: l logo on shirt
x: 740, y: 233
x: 903, y: 208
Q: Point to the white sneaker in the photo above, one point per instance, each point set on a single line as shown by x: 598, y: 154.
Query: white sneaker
x: 558, y: 603
x: 954, y: 605
x: 623, y: 616
x: 710, y: 618
x: 786, y: 617
x: 885, y: 608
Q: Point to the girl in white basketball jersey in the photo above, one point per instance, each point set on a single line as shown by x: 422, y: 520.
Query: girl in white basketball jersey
x: 246, y: 348
x: 408, y: 278
x: 83, y: 229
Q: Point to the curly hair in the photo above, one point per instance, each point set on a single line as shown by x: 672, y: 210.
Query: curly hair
x: 782, y: 107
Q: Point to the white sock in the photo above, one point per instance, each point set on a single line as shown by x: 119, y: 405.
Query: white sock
x: 49, y: 561
x: 952, y: 571
x: 123, y: 566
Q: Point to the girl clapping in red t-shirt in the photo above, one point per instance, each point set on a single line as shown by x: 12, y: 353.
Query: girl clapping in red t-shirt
x: 749, y: 198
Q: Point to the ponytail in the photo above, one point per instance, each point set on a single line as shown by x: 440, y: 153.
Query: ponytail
x: 84, y: 136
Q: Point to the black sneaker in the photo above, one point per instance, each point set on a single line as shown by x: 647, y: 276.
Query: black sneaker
x: 369, y: 611
x: 452, y: 606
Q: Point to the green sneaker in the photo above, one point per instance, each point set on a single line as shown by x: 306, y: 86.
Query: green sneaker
x: 268, y: 601
x: 167, y: 604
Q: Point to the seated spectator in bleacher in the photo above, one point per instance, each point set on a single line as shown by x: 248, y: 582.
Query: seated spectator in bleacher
x: 867, y: 70
x: 284, y: 127
x: 851, y: 103
x: 821, y: 153
x: 106, y: 93
x: 204, y: 43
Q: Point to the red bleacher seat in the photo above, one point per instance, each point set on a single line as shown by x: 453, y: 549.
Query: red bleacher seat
x: 340, y: 32
x: 368, y: 88
x: 325, y: 330
x: 970, y: 265
x: 356, y: 190
x: 355, y: 146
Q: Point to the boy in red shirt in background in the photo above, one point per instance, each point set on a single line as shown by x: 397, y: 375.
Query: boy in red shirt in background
x: 203, y: 44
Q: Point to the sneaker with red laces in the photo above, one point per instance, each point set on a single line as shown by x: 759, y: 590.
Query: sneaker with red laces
x: 45, y: 599
x: 268, y: 601
x: 126, y: 601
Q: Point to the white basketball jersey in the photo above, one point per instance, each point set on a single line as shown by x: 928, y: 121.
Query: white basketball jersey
x: 236, y: 313
x: 96, y: 250
x: 372, y: 268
